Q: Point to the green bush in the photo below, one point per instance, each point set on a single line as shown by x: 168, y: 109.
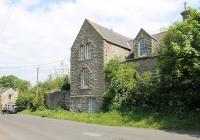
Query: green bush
x: 175, y: 89
x: 180, y: 64
x: 126, y: 88
x: 120, y: 79
x: 23, y: 101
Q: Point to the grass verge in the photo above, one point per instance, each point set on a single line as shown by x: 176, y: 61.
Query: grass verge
x: 139, y: 119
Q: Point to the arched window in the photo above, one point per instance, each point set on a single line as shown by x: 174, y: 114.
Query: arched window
x: 88, y: 48
x: 85, y: 51
x: 143, y: 48
x: 82, y: 52
x: 85, y: 78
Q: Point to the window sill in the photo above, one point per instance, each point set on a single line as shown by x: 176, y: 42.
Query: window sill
x: 85, y: 60
x: 143, y: 55
x: 85, y: 88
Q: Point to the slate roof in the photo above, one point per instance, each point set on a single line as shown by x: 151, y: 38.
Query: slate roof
x: 111, y: 36
x: 158, y: 36
x: 3, y: 90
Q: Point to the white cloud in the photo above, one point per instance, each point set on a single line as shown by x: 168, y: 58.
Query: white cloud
x: 29, y: 2
x: 46, y: 34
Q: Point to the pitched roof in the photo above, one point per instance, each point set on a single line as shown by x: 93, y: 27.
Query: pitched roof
x: 158, y: 36
x: 2, y: 90
x: 111, y: 36
x: 147, y: 34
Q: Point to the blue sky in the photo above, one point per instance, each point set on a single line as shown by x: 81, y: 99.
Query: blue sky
x: 43, y: 31
x: 44, y: 4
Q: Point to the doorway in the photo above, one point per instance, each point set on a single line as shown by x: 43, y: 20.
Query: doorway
x: 92, y: 105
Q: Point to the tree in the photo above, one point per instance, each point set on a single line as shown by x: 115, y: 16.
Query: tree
x: 38, y: 100
x: 54, y: 83
x: 66, y: 85
x: 120, y: 78
x: 180, y: 62
x: 126, y: 88
x: 23, y: 101
x: 14, y: 82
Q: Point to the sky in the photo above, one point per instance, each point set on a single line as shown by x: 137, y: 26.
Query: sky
x: 41, y: 32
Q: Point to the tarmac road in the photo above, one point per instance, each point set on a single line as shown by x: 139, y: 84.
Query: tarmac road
x: 25, y: 127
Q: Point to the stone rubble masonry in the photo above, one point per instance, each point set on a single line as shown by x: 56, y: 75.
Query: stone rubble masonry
x: 149, y: 62
x: 152, y: 44
x: 145, y: 64
x: 57, y: 99
x: 102, y: 52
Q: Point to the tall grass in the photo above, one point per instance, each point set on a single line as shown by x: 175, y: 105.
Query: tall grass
x: 138, y: 118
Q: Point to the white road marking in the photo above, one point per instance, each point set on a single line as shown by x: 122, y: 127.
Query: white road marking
x: 92, y: 134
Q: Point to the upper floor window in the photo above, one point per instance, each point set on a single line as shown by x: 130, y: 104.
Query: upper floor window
x: 85, y: 78
x: 85, y: 51
x: 9, y: 97
x: 143, y: 48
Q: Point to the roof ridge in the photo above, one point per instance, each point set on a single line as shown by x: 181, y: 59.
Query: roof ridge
x: 92, y: 22
x: 159, y: 33
x: 110, y: 35
x: 148, y: 34
x: 2, y: 90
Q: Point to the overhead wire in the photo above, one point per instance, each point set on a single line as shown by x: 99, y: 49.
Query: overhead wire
x: 7, y: 16
x: 30, y: 66
x: 3, y: 24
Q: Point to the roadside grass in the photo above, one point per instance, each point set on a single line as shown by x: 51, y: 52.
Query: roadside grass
x: 138, y: 118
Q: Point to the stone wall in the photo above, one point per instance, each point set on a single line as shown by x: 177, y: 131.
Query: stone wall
x: 144, y: 64
x: 151, y: 43
x: 95, y: 66
x: 142, y: 35
x: 102, y: 52
x: 111, y: 51
x: 57, y: 99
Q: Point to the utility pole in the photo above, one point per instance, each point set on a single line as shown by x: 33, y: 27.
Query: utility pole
x: 37, y: 77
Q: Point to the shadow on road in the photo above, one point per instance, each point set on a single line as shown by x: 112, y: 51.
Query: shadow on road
x: 192, y: 134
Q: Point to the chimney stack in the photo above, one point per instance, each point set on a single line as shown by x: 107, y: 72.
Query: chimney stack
x: 185, y: 13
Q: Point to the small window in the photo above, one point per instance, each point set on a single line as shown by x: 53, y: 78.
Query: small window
x: 85, y: 78
x: 85, y: 52
x: 143, y: 48
x: 9, y: 97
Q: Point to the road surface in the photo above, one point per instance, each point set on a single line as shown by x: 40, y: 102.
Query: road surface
x: 24, y: 127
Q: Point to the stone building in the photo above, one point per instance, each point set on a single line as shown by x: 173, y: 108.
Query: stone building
x: 93, y: 47
x: 144, y: 51
x: 7, y: 97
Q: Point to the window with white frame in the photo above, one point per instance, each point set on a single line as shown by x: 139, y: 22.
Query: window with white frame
x: 143, y: 47
x: 85, y: 78
x: 85, y: 51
